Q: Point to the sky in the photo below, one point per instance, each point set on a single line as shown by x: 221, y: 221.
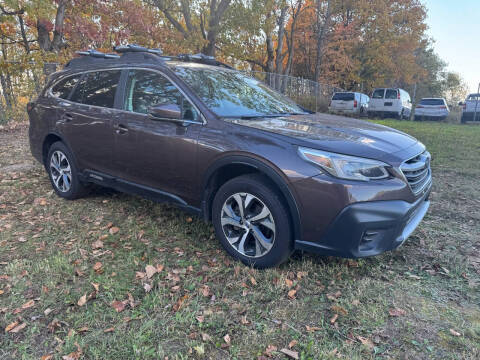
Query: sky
x: 455, y: 27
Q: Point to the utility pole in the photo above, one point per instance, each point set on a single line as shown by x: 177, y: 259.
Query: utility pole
x: 476, y: 103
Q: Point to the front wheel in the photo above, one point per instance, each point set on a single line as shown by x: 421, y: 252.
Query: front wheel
x: 252, y: 222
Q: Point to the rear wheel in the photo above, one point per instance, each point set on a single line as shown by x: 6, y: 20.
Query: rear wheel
x: 252, y: 222
x: 63, y: 173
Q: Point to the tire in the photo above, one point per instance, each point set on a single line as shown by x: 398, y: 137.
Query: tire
x: 273, y: 227
x: 65, y: 182
x: 400, y: 115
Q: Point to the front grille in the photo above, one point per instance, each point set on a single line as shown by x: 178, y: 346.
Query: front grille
x: 417, y: 171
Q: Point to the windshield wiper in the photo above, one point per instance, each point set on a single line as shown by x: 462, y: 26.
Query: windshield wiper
x: 247, y: 117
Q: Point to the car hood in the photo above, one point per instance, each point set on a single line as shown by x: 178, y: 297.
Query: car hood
x: 339, y: 134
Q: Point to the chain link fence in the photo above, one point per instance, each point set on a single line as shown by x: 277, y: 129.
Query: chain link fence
x: 309, y: 94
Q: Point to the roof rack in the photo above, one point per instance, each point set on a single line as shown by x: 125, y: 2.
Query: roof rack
x: 98, y: 54
x: 135, y: 48
x: 133, y: 52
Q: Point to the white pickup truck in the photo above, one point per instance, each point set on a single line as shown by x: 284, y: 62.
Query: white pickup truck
x: 469, y: 107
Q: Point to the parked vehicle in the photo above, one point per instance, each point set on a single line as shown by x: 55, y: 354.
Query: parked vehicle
x: 349, y: 103
x: 470, y: 107
x: 271, y: 176
x: 431, y: 109
x: 390, y: 102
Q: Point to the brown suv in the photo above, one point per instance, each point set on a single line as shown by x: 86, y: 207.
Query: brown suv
x: 271, y: 176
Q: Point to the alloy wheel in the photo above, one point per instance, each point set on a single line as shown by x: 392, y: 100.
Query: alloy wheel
x: 61, y: 171
x: 248, y: 224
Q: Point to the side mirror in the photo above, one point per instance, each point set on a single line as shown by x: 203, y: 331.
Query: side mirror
x: 461, y: 103
x: 165, y: 111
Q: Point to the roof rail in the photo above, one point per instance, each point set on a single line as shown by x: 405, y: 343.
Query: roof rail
x: 98, y: 54
x: 135, y: 48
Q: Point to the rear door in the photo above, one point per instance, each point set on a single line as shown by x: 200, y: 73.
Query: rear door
x: 376, y: 101
x: 88, y: 120
x: 157, y: 153
x: 392, y: 100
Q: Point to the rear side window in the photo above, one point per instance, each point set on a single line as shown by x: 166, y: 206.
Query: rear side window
x: 432, y: 102
x: 378, y: 94
x: 474, y: 97
x: 64, y: 87
x: 391, y: 94
x: 98, y: 88
x: 344, y: 96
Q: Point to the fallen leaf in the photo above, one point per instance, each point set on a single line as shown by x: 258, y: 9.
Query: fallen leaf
x: 455, y: 333
x: 47, y: 311
x: 253, y: 281
x: 367, y: 342
x: 396, y: 312
x: 189, y: 219
x: 334, y: 296
x: 269, y: 350
x: 83, y: 329
x: 200, y: 318
x: 73, y: 355
x: 27, y: 305
x: 47, y: 357
x: 11, y: 326
x: 150, y: 270
x: 206, y: 337
x: 312, y: 328
x: 205, y: 290
x: 178, y: 305
x: 95, y: 286
x: 292, y: 293
x: 147, y: 287
x: 110, y: 329
x: 113, y: 230
x: 98, y: 267
x: 119, y: 306
x: 289, y: 283
x: 244, y: 320
x: 292, y: 343
x: 17, y: 328
x: 159, y: 268
x: 333, y: 319
x: 227, y: 339
x: 82, y: 301
x: 97, y: 244
x: 339, y: 310
x: 290, y: 353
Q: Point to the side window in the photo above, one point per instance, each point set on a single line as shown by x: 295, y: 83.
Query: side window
x: 147, y: 88
x: 64, y: 87
x: 98, y: 89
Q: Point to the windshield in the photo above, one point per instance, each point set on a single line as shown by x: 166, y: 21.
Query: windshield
x: 232, y: 94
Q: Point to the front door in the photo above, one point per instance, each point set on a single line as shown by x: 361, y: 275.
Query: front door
x: 157, y: 153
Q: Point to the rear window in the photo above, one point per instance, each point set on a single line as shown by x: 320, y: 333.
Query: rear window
x: 391, y: 94
x: 344, y: 96
x: 378, y: 94
x: 63, y: 88
x: 432, y: 102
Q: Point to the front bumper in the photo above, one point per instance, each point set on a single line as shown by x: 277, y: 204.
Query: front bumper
x: 369, y: 228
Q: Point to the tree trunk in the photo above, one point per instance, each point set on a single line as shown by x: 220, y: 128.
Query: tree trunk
x: 321, y: 34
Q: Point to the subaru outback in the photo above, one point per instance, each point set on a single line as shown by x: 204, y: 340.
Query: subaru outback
x: 270, y: 176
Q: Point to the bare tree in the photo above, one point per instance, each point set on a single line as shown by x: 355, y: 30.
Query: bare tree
x: 322, y: 30
x: 56, y: 43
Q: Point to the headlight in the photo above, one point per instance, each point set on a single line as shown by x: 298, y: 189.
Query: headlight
x: 344, y: 166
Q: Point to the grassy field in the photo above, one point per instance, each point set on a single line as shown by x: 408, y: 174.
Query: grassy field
x: 116, y: 276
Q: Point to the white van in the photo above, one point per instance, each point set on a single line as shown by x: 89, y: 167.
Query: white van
x: 349, y: 102
x: 390, y: 102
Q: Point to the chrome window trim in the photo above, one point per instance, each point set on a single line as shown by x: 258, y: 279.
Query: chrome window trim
x: 203, y: 122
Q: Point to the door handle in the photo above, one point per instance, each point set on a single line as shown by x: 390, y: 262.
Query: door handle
x: 121, y: 129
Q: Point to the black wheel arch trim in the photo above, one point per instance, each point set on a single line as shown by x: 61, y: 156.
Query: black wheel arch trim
x: 62, y: 139
x: 260, y: 166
